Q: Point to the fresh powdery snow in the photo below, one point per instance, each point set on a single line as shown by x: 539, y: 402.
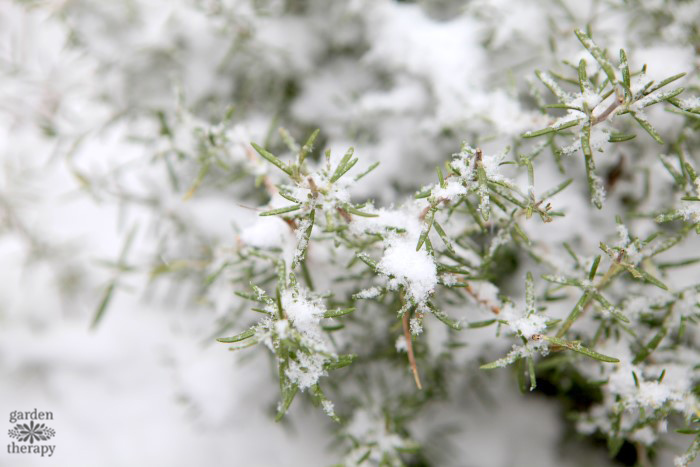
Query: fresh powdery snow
x: 305, y: 315
x: 452, y: 191
x: 415, y: 270
x: 266, y: 232
x: 690, y: 211
x: 524, y: 325
x: 406, y: 218
x: 306, y: 369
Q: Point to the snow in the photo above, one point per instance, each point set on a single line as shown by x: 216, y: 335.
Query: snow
x: 690, y: 211
x: 623, y: 234
x: 652, y: 394
x: 414, y: 270
x: 550, y: 82
x: 521, y: 324
x: 401, y: 345
x: 305, y: 315
x: 302, y: 312
x: 665, y: 60
x: 486, y: 292
x: 645, y: 436
x: 406, y: 218
x: 266, y: 232
x: 302, y: 240
x: 403, y: 82
x: 689, y: 103
x: 452, y: 191
x: 416, y: 326
x: 328, y: 407
x: 306, y: 370
x: 372, y: 292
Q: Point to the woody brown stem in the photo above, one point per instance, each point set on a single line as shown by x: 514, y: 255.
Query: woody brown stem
x: 606, y: 113
x: 344, y: 214
x: 494, y: 308
x: 409, y: 350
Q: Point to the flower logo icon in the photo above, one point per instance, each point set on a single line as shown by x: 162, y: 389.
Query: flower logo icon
x: 31, y: 432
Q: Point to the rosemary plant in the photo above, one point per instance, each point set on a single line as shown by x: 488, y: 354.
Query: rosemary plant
x: 441, y: 250
x: 411, y: 220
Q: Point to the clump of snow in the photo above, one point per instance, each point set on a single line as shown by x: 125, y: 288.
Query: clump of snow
x: 306, y: 369
x: 452, y: 191
x: 528, y: 349
x: 689, y: 304
x: 266, y: 232
x: 405, y: 219
x: 652, y: 394
x: 372, y: 292
x: 328, y: 407
x: 368, y: 426
x: 646, y: 391
x: 635, y: 305
x: 624, y: 235
x: 414, y: 270
x: 645, y: 435
x: 465, y: 163
x: 281, y: 327
x: 690, y: 211
x: 690, y: 103
x: 598, y: 194
x: 304, y: 314
x: 401, y: 344
x: 588, y: 97
x: 416, y: 326
x: 523, y: 325
x: 302, y: 239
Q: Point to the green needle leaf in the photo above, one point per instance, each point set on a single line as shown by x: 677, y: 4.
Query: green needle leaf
x: 272, y: 159
x: 664, y: 82
x: 597, y: 53
x: 531, y: 371
x: 284, y: 210
x: 104, y: 303
x: 481, y: 324
x: 594, y: 185
x: 529, y: 294
x: 582, y: 76
x: 341, y: 362
x: 551, y: 129
x: 619, y: 137
x: 429, y: 217
x: 345, y: 164
x: 238, y: 337
x: 357, y: 212
x: 624, y: 66
x: 338, y: 313
x: 308, y: 146
x: 439, y: 314
x: 371, y: 168
x: 289, y: 390
x: 594, y: 268
x: 644, y: 123
x: 577, y: 347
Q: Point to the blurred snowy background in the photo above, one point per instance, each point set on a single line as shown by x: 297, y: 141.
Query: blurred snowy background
x: 95, y: 95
